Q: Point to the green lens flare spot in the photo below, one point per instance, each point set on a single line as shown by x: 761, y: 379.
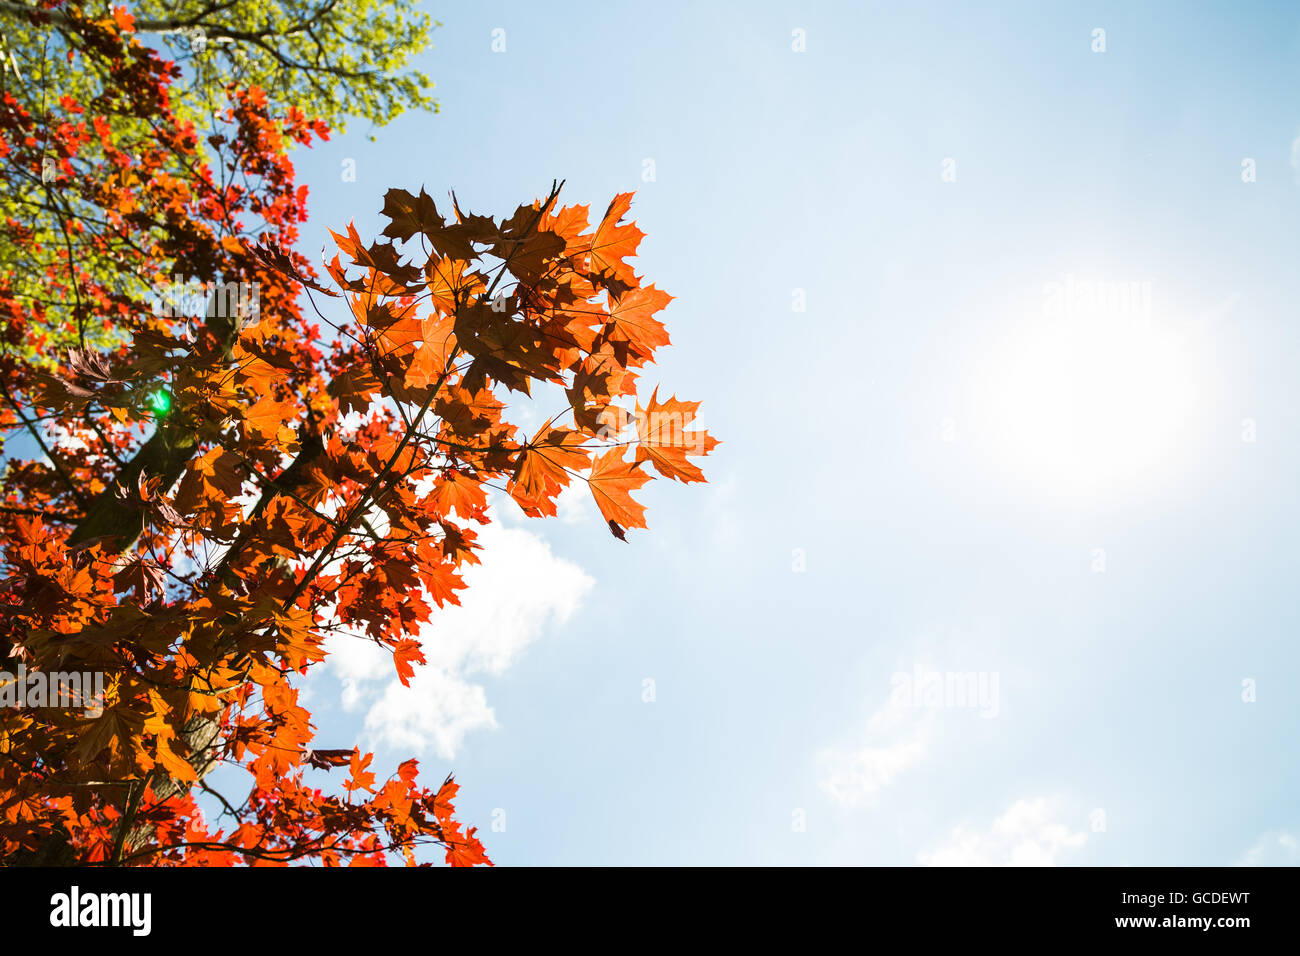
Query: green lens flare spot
x: 160, y: 402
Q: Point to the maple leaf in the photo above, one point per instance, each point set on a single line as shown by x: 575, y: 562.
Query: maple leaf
x: 612, y: 480
x: 663, y: 439
x: 525, y: 247
x: 90, y: 366
x: 612, y: 242
x: 143, y: 575
x: 468, y: 414
x: 359, y: 778
x: 325, y: 759
x: 270, y: 255
x: 451, y: 282
x: 355, y: 388
x: 290, y: 632
x: 409, y: 214
x: 124, y: 20
x: 270, y: 418
x: 443, y: 808
x: 569, y: 223
x: 146, y: 496
x: 544, y: 466
x: 429, y: 363
x: 463, y: 850
x: 404, y: 653
x: 114, y: 730
x: 632, y: 319
x: 174, y: 762
x: 456, y: 491
x: 382, y: 257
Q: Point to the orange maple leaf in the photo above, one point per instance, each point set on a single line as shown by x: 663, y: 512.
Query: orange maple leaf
x: 632, y: 319
x: 612, y: 242
x: 268, y: 419
x: 456, y: 491
x: 612, y: 480
x: 662, y: 438
x: 404, y: 652
x: 359, y: 777
x: 544, y: 467
x: 463, y: 849
x: 443, y: 808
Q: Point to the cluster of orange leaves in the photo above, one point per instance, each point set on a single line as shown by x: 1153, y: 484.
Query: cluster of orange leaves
x: 368, y: 445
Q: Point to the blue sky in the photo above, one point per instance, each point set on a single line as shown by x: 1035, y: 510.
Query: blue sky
x: 998, y: 331
x: 1093, y: 509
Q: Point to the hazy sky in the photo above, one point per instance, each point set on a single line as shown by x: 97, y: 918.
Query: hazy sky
x: 999, y: 332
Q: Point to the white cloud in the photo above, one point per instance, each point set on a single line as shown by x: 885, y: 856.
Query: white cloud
x: 438, y: 710
x: 897, y: 738
x: 518, y: 591
x: 575, y: 505
x: 1275, y: 848
x: 1026, y: 835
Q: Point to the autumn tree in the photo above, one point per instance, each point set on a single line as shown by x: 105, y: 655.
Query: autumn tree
x: 326, y: 60
x: 320, y: 56
x: 214, y: 498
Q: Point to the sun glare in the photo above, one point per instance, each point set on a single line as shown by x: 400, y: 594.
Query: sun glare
x: 1089, y: 403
